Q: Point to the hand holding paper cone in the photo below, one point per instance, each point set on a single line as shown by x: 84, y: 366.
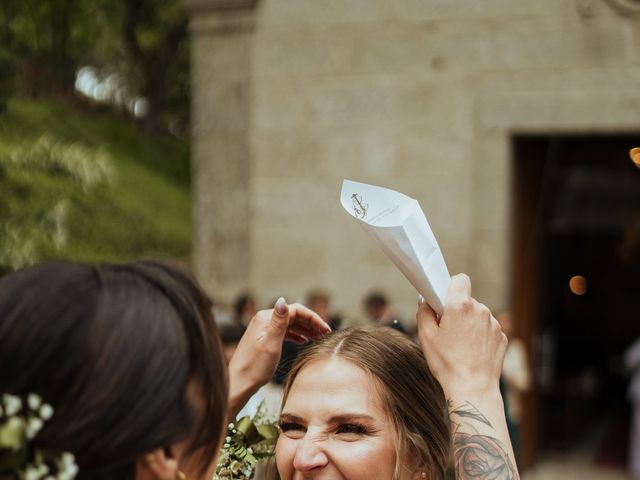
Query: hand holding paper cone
x: 400, y: 228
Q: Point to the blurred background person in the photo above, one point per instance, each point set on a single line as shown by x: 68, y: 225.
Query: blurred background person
x: 319, y: 301
x: 379, y: 312
x: 244, y: 308
x: 516, y: 378
x: 230, y: 334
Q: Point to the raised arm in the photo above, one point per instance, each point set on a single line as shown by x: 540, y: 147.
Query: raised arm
x: 465, y: 349
x: 257, y: 355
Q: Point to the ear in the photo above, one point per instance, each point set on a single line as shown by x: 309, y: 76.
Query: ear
x: 420, y: 475
x: 160, y: 464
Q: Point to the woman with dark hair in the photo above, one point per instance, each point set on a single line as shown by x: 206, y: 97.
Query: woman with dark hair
x: 130, y: 359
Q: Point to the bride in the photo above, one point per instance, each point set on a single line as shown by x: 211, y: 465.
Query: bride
x: 368, y: 404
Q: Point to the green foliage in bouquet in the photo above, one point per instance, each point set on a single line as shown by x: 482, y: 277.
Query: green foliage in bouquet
x: 247, y: 441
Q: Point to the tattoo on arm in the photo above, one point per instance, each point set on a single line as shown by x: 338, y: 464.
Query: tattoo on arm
x: 477, y: 456
x: 467, y: 410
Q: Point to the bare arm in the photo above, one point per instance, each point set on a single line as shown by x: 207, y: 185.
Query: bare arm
x: 465, y: 349
x: 481, y: 446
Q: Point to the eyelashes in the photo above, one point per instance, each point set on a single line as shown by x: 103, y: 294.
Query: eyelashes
x: 343, y: 428
x: 354, y: 428
x: 288, y: 426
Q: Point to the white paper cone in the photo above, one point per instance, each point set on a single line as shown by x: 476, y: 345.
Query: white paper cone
x: 400, y: 228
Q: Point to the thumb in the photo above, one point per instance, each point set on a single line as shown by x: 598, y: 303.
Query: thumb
x: 280, y: 316
x: 459, y: 288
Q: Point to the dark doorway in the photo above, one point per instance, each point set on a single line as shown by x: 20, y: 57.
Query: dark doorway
x: 577, y: 216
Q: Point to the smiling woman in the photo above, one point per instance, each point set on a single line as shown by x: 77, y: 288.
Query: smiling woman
x: 369, y: 404
x: 363, y: 404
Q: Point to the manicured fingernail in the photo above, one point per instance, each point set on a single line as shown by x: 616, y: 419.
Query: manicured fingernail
x: 281, y: 306
x: 420, y: 300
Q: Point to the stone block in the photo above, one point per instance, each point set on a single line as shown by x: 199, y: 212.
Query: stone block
x: 441, y: 10
x: 301, y: 14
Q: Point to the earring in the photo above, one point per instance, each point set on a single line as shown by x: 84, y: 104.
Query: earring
x: 181, y: 476
x: 423, y: 475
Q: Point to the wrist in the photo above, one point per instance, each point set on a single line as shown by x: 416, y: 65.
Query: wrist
x: 241, y: 388
x: 466, y: 392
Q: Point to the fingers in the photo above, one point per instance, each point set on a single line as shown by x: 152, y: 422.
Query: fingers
x: 304, y: 317
x: 297, y: 339
x: 459, y: 289
x: 303, y: 323
x: 483, y: 311
x: 280, y: 316
x: 426, y: 318
x: 304, y: 332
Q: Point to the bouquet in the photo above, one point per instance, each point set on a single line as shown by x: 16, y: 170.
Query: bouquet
x: 247, y: 441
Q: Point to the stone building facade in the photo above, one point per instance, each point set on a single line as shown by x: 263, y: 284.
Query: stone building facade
x: 423, y: 96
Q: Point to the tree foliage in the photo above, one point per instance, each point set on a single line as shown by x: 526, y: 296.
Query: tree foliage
x: 44, y: 42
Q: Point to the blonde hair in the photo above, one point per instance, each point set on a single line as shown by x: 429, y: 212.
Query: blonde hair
x: 412, y: 397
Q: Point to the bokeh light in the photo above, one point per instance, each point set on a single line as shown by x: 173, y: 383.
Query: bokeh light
x: 578, y: 285
x: 634, y: 153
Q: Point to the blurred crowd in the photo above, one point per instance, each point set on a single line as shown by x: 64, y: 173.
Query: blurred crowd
x: 233, y: 320
x: 377, y: 310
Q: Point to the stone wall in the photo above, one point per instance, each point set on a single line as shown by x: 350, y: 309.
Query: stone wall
x: 417, y: 95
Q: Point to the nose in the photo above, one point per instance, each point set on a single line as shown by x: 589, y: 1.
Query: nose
x: 309, y: 455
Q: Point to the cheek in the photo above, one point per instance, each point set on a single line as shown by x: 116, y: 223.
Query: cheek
x: 285, y: 452
x: 358, y: 460
x: 373, y: 459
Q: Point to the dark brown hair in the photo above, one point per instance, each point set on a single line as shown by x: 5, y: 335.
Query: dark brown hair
x: 117, y: 351
x: 412, y: 397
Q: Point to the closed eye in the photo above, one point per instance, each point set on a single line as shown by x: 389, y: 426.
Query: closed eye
x: 291, y: 426
x: 352, y: 428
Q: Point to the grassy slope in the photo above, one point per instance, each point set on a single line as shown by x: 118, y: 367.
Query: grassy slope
x: 144, y: 212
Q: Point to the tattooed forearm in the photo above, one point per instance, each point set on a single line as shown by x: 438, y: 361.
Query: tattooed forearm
x: 478, y: 456
x: 469, y: 411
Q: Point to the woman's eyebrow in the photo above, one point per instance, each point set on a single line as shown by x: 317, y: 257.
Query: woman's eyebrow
x: 347, y: 417
x: 341, y: 418
x: 289, y: 417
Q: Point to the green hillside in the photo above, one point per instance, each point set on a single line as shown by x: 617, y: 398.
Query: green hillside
x: 81, y: 185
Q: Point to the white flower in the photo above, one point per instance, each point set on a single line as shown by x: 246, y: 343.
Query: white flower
x: 68, y: 464
x: 34, y: 401
x: 34, y: 425
x: 31, y: 474
x: 36, y: 473
x: 12, y: 404
x: 46, y: 411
